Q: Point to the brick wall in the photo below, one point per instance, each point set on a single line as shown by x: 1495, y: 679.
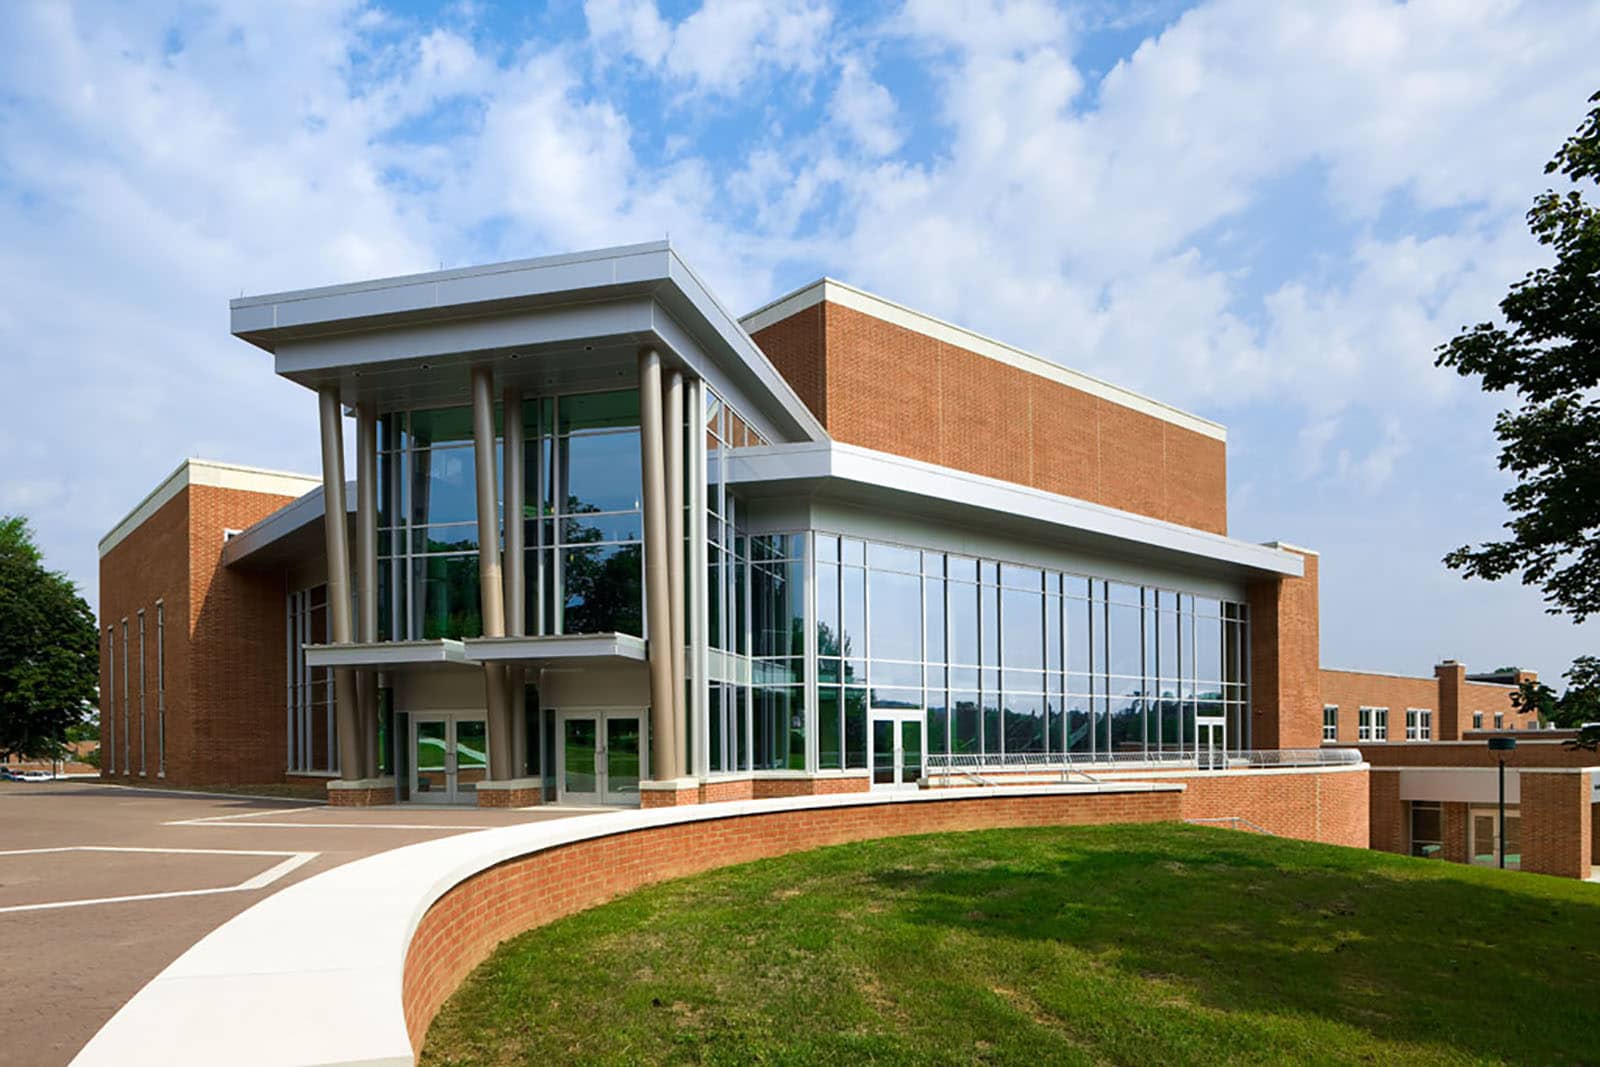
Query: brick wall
x: 1388, y: 830
x: 461, y: 928
x: 150, y: 564
x: 882, y: 386
x: 224, y: 642
x: 1557, y: 823
x: 1326, y: 806
x: 1285, y: 652
x: 1448, y: 694
x: 1528, y: 753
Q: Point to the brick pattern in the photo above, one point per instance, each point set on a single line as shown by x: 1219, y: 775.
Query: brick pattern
x: 1285, y: 652
x: 882, y: 386
x: 225, y: 642
x: 510, y: 798
x: 1527, y: 754
x: 1557, y: 824
x: 461, y: 928
x: 375, y: 797
x: 669, y: 798
x: 1387, y: 815
x: 1448, y: 694
x: 1457, y: 845
x: 1325, y: 806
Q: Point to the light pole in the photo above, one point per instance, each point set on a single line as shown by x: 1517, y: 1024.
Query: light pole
x: 1502, y: 745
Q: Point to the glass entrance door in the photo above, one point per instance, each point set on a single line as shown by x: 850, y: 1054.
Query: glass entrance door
x: 1485, y: 843
x: 450, y: 756
x: 1211, y: 749
x: 602, y: 756
x: 896, y: 747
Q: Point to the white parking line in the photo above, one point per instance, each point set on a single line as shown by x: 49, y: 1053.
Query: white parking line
x: 328, y: 825
x: 292, y: 861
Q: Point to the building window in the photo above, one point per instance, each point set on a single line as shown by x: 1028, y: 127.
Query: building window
x: 1499, y: 720
x: 1364, y: 724
x: 143, y: 733
x: 310, y: 733
x: 127, y: 724
x: 1477, y: 720
x: 1020, y: 664
x: 1427, y: 829
x: 1424, y: 724
x: 109, y: 744
x: 161, y: 689
x: 1330, y: 722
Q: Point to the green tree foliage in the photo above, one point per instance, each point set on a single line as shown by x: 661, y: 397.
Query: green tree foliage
x: 1574, y: 709
x: 1548, y: 354
x: 49, y: 649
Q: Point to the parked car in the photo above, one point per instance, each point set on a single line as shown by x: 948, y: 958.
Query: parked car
x: 9, y: 775
x: 35, y: 776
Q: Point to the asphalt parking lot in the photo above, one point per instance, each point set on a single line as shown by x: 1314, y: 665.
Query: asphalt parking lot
x: 102, y: 886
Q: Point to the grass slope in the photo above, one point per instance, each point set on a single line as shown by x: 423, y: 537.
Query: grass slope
x: 1133, y: 944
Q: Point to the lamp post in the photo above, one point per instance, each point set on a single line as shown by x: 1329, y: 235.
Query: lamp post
x: 1502, y: 745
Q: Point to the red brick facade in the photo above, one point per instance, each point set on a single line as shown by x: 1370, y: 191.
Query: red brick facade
x: 224, y: 645
x: 1557, y: 823
x: 1285, y: 650
x: 461, y: 928
x: 883, y: 386
x: 1327, y: 806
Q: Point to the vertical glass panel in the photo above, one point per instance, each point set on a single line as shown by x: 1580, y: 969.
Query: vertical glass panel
x: 578, y: 756
x: 1080, y: 735
x: 1078, y: 636
x: 938, y: 723
x: 603, y: 587
x: 1127, y: 722
x: 882, y: 751
x: 430, y: 759
x: 963, y: 623
x: 827, y: 610
x: 966, y: 730
x: 933, y: 564
x: 1022, y: 614
x: 993, y: 740
x: 444, y: 597
x: 852, y: 551
x: 600, y: 472
x: 442, y: 426
x: 1126, y: 640
x: 1013, y: 576
x: 443, y: 486
x: 741, y: 724
x: 855, y: 726
x: 830, y: 753
x: 827, y: 548
x: 1208, y: 649
x: 989, y: 625
x: 1052, y: 633
x: 778, y: 608
x: 622, y: 755
x: 910, y: 751
x: 1055, y: 723
x: 1024, y: 723
x: 933, y: 619
x: 853, y: 608
x: 896, y: 601
x: 472, y: 757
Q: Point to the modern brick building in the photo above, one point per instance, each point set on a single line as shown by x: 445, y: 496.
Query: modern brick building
x: 835, y: 545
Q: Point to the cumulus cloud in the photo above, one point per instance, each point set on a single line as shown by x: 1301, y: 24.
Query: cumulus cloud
x: 965, y: 158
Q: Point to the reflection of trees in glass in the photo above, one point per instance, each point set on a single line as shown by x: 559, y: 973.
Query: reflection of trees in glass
x: 603, y: 583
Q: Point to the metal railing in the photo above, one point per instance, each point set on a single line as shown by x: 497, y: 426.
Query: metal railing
x: 1236, y: 822
x: 974, y: 764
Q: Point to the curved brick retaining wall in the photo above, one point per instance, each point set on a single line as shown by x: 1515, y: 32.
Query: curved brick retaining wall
x: 464, y: 926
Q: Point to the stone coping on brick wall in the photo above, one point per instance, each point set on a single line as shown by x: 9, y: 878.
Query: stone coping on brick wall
x: 314, y: 974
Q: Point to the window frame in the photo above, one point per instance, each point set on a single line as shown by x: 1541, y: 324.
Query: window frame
x: 1330, y: 722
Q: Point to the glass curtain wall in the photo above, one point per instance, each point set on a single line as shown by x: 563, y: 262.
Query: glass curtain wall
x: 310, y: 710
x: 581, y: 517
x: 1015, y: 663
x: 755, y: 617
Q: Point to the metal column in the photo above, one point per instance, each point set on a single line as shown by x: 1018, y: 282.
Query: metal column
x: 490, y: 583
x: 657, y: 598
x: 514, y: 436
x: 672, y: 432
x: 338, y: 544
x: 367, y: 578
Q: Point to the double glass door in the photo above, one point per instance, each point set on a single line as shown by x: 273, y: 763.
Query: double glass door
x: 895, y: 744
x: 450, y: 756
x: 1486, y: 837
x: 601, y: 756
x: 1211, y: 743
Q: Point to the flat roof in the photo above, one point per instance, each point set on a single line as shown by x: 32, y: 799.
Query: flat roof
x: 208, y: 473
x: 842, y: 293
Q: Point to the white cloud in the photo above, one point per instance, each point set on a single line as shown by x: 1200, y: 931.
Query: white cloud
x: 722, y: 46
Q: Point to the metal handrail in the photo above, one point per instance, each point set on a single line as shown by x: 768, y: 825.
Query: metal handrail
x: 1070, y: 762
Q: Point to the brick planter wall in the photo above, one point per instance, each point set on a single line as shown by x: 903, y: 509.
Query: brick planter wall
x: 372, y: 796
x: 464, y: 925
x: 1557, y: 823
x: 1326, y: 806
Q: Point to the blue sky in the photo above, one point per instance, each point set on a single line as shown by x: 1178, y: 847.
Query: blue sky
x: 1269, y: 214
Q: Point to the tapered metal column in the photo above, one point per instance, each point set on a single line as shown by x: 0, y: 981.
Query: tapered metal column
x: 491, y: 592
x: 367, y: 578
x: 512, y: 434
x: 338, y: 544
x: 657, y: 598
x: 695, y: 403
x: 672, y: 437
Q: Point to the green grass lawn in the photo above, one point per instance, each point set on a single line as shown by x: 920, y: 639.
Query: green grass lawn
x: 1137, y: 944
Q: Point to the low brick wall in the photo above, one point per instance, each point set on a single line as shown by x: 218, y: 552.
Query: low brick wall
x: 1329, y: 806
x: 464, y: 925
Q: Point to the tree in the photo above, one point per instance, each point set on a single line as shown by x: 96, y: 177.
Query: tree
x: 1575, y: 709
x: 1549, y: 355
x: 49, y: 649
